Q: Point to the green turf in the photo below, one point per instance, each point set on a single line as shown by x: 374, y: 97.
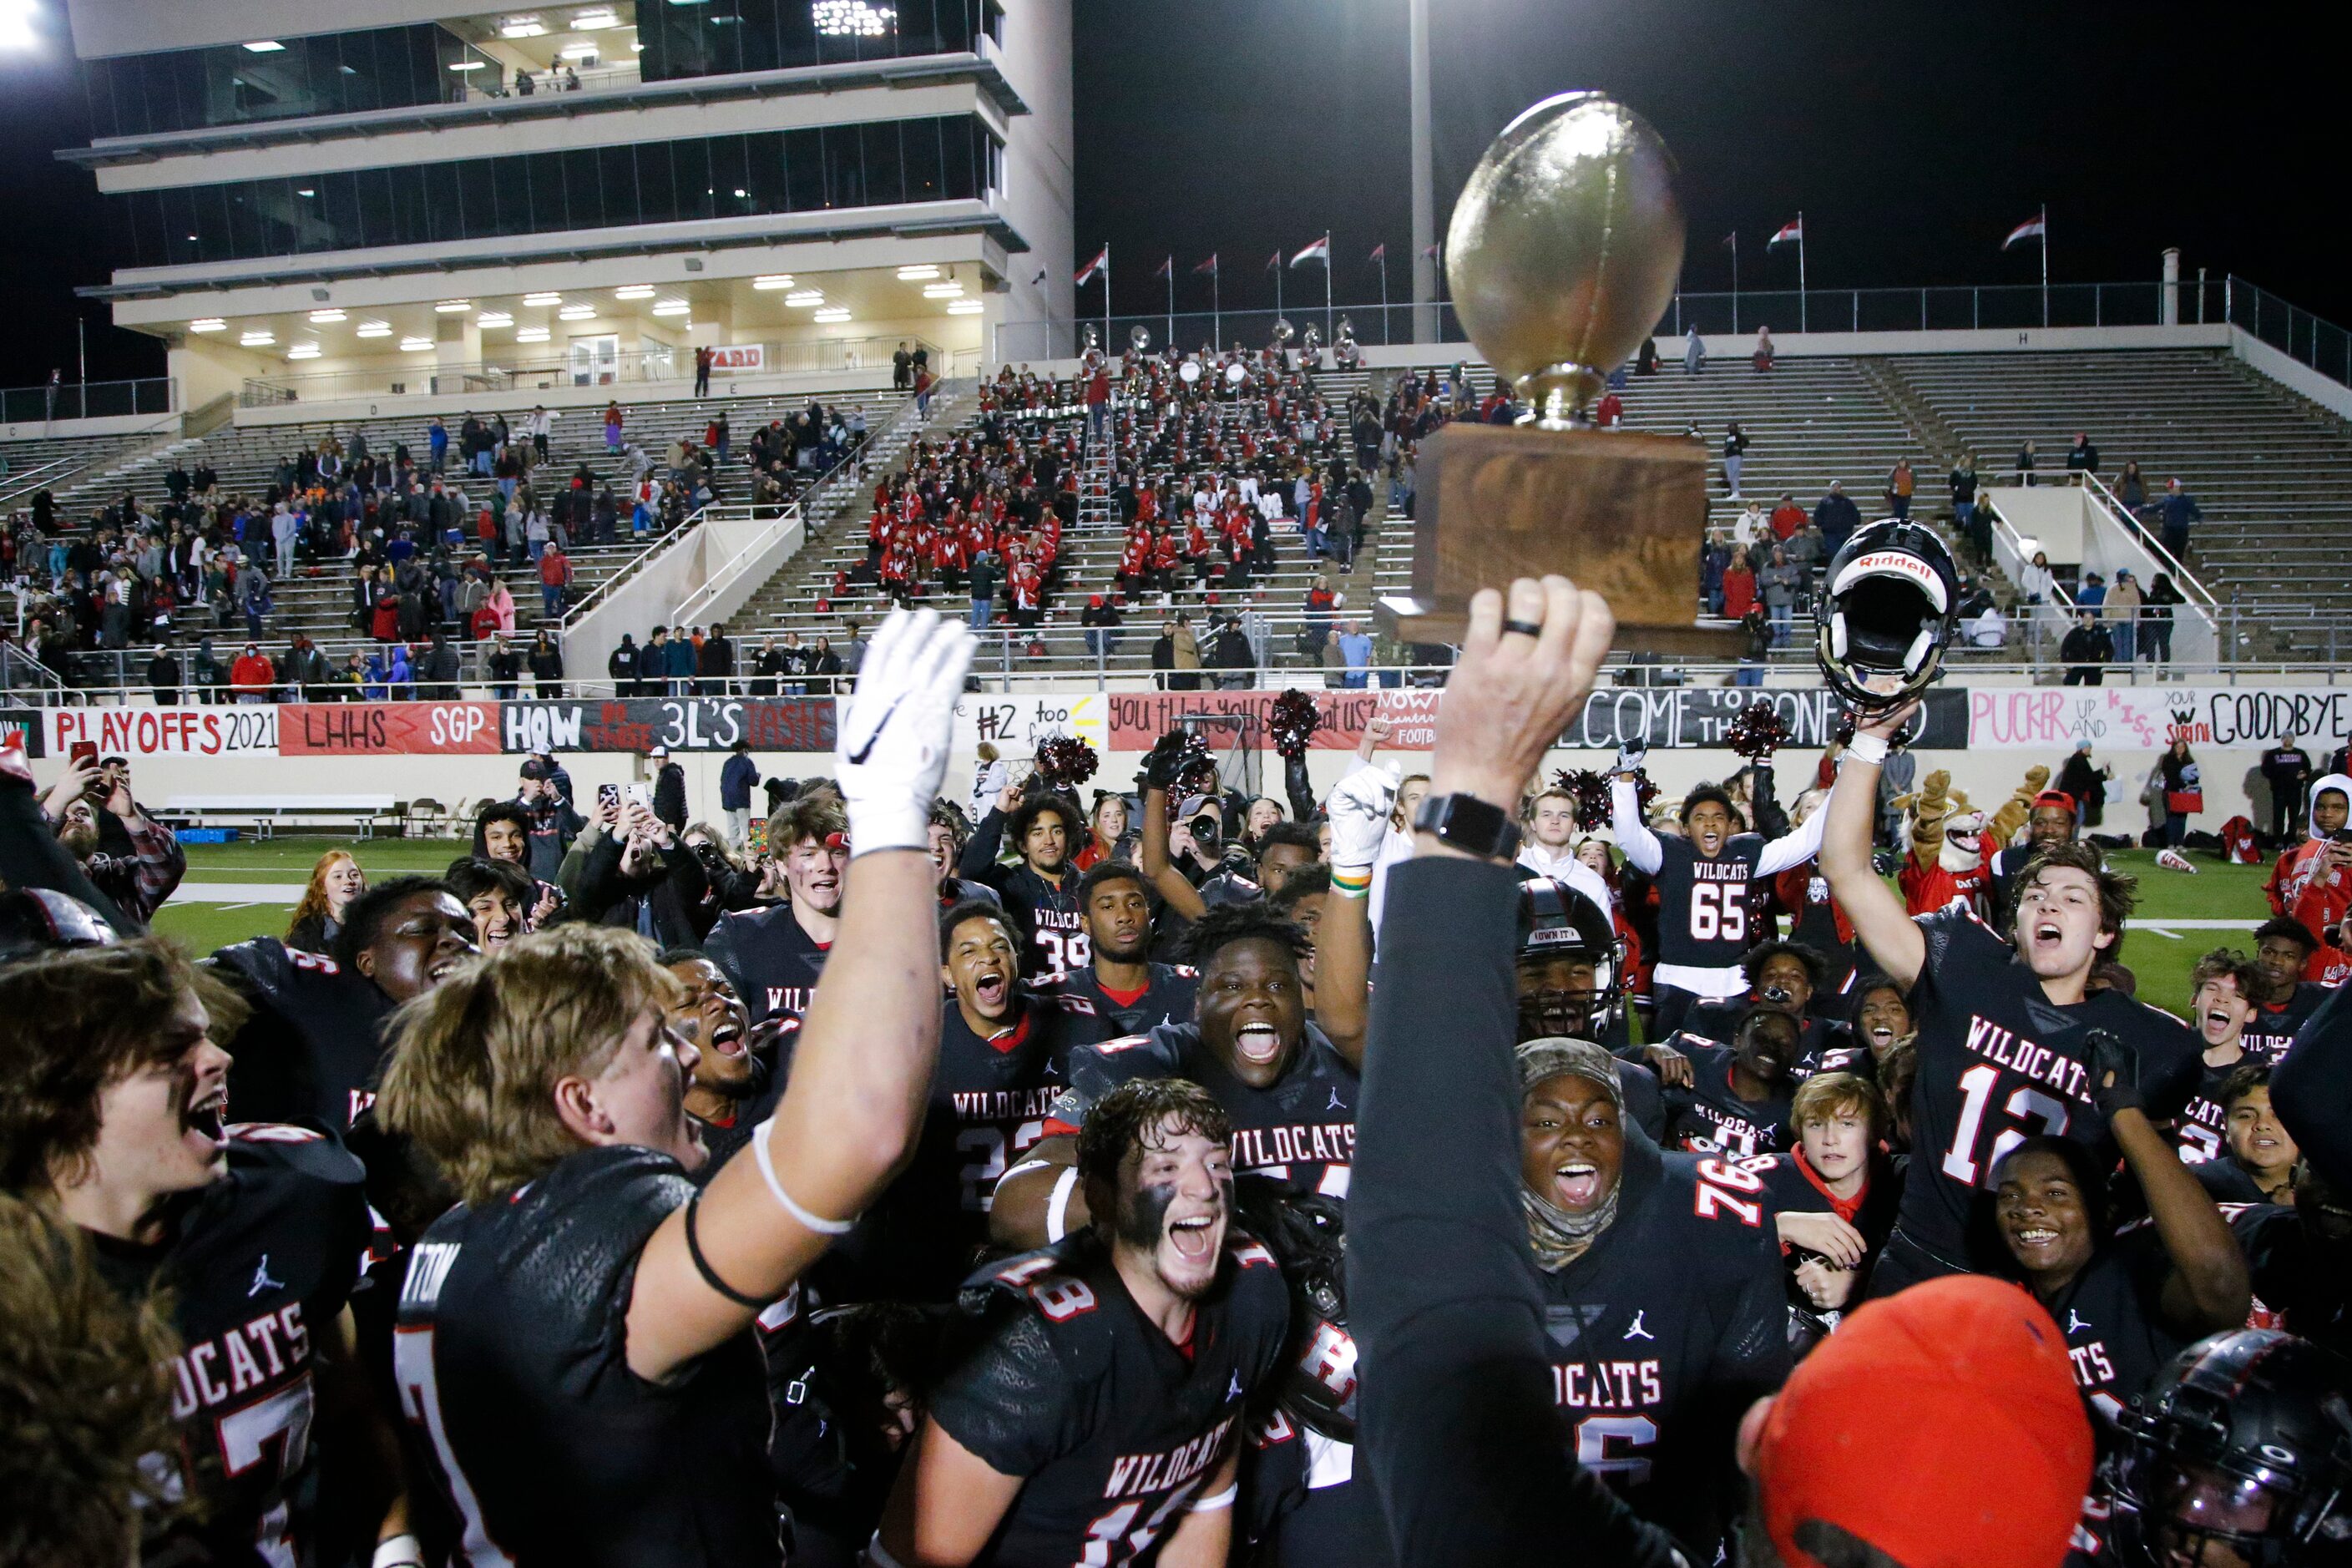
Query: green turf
x: 2162, y: 962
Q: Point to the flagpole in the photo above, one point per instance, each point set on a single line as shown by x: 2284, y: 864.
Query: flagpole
x: 2045, y: 264
x: 1216, y: 311
x: 1170, y: 342
x: 1802, y: 311
x: 1106, y: 342
x: 1327, y: 285
x: 1385, y: 296
x: 1278, y: 270
x: 1735, y: 279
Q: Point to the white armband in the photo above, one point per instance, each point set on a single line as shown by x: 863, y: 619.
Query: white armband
x: 1223, y: 1499
x: 767, y: 1161
x: 1871, y: 749
x: 399, y: 1551
x: 1058, y: 1207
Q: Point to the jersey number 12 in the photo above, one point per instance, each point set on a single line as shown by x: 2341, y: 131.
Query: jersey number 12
x: 1978, y: 1086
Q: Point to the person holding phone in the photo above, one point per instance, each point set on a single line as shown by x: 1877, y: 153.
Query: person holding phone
x: 88, y: 792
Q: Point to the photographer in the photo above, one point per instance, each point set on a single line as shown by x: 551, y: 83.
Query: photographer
x: 1190, y: 864
x: 643, y: 879
x: 138, y: 881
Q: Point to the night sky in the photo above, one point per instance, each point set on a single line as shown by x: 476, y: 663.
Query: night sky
x: 1912, y: 136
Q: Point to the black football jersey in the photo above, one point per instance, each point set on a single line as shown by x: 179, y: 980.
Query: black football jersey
x: 1999, y: 1062
x: 1302, y: 1130
x: 1813, y: 920
x: 2271, y: 1030
x: 1796, y: 1188
x: 1167, y: 1000
x: 1709, y: 1115
x: 1114, y: 1428
x: 1703, y: 904
x: 2298, y: 1286
x: 2115, y: 1333
x: 724, y: 1137
x: 512, y: 1363
x: 311, y: 1048
x: 1823, y: 1044
x: 1047, y: 920
x: 2201, y: 1131
x: 255, y: 1262
x: 772, y: 963
x: 1665, y: 1331
x: 989, y: 1102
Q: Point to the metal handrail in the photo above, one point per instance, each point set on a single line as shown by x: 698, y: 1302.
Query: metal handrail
x: 2130, y: 521
x: 690, y: 611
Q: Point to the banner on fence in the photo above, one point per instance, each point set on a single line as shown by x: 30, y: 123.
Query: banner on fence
x: 388, y: 729
x: 2146, y: 718
x: 681, y: 723
x: 1017, y: 722
x: 243, y: 729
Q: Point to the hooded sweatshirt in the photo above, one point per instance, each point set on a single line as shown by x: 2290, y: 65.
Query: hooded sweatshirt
x: 2296, y: 862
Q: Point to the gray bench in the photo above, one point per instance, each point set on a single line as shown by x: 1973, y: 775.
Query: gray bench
x: 265, y: 814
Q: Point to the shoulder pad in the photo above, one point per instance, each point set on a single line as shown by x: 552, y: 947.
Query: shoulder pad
x: 1044, y: 1281
x: 285, y: 1146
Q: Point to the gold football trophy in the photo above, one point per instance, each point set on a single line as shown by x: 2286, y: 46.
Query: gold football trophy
x: 1561, y: 255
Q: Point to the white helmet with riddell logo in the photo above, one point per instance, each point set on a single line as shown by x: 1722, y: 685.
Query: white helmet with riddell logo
x: 1889, y: 604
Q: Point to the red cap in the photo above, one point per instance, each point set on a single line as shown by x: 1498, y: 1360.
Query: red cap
x: 1941, y: 1425
x: 2054, y: 797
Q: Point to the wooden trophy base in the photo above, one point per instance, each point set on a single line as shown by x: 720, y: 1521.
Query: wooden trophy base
x: 1620, y: 512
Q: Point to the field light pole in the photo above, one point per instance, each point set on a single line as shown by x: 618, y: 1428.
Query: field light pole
x: 1425, y: 179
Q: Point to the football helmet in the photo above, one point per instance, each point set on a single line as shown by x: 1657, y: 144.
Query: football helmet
x: 1888, y: 611
x: 1307, y: 1234
x: 34, y: 921
x: 2244, y: 1442
x: 1556, y: 922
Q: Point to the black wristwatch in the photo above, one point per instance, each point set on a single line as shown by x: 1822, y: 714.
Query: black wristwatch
x: 1465, y: 822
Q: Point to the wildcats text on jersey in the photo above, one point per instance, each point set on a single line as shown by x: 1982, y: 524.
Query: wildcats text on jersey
x: 1003, y: 1104
x: 2007, y: 1049
x: 1729, y: 869
x: 1140, y: 1475
x: 1299, y: 1143
x: 216, y: 1370
x: 1608, y: 1384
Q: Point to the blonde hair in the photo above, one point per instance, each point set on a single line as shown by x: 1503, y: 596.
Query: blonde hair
x: 475, y: 1060
x: 1827, y: 1094
x: 314, y: 897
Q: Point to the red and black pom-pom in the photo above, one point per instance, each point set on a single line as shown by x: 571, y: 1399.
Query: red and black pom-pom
x: 1293, y: 721
x: 1758, y: 731
x: 1065, y: 763
x: 1589, y: 790
x: 1843, y: 735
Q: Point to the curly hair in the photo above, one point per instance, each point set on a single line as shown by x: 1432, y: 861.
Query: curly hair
x: 475, y: 1059
x: 85, y: 1396
x: 2118, y: 891
x: 2226, y: 963
x: 1243, y: 921
x: 1135, y: 1115
x: 81, y: 1021
x: 818, y: 815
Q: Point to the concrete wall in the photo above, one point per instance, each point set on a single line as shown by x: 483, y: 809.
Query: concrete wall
x: 113, y: 424
x: 1040, y: 162
x: 139, y: 27
x: 2293, y: 374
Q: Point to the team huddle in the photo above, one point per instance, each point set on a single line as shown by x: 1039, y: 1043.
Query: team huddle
x: 992, y: 1192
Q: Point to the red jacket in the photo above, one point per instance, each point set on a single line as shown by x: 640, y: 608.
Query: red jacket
x: 252, y: 672
x: 554, y: 568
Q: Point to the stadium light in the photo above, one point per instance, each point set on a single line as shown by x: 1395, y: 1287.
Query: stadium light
x: 577, y: 313
x: 530, y: 334
x: 206, y: 324
x: 673, y: 307
x: 543, y: 299
x: 853, y: 19
x: 965, y: 307
x: 468, y: 66
x: 773, y: 280
x: 261, y: 339
x: 303, y: 351
x: 942, y: 291
x: 832, y: 313
x: 596, y: 20
x: 521, y: 27
x: 453, y: 307
x: 921, y: 270
x: 805, y: 297
x: 415, y: 346
x: 265, y: 47
x: 326, y: 316
x: 582, y: 51
x: 16, y: 29
x: 376, y: 329
x: 634, y: 292
x: 495, y: 319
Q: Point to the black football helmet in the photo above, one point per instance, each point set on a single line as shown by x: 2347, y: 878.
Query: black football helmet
x: 1556, y: 921
x: 1890, y: 605
x: 2244, y: 1442
x: 1306, y: 1233
x: 34, y: 921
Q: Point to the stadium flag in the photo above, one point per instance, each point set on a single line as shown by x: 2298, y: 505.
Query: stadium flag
x: 1087, y: 273
x: 1167, y: 269
x: 1789, y: 233
x: 1209, y: 267
x: 1379, y: 252
x: 1319, y: 251
x: 2034, y: 227
x: 1274, y: 262
x: 1731, y: 242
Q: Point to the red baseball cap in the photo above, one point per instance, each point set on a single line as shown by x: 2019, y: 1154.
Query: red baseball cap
x: 1941, y: 1425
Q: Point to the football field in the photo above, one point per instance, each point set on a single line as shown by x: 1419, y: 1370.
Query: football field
x: 237, y: 890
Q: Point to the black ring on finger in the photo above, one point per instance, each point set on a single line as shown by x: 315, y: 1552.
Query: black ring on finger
x: 1528, y: 629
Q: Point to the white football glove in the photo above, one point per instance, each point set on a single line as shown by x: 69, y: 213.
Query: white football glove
x: 1358, y: 807
x: 1631, y: 753
x: 891, y: 749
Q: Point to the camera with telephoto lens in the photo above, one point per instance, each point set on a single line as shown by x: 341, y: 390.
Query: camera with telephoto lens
x: 1207, y: 830
x: 1778, y: 996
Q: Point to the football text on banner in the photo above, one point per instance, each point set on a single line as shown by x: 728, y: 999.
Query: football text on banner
x: 681, y: 723
x: 386, y: 729
x: 243, y: 730
x: 2148, y: 718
